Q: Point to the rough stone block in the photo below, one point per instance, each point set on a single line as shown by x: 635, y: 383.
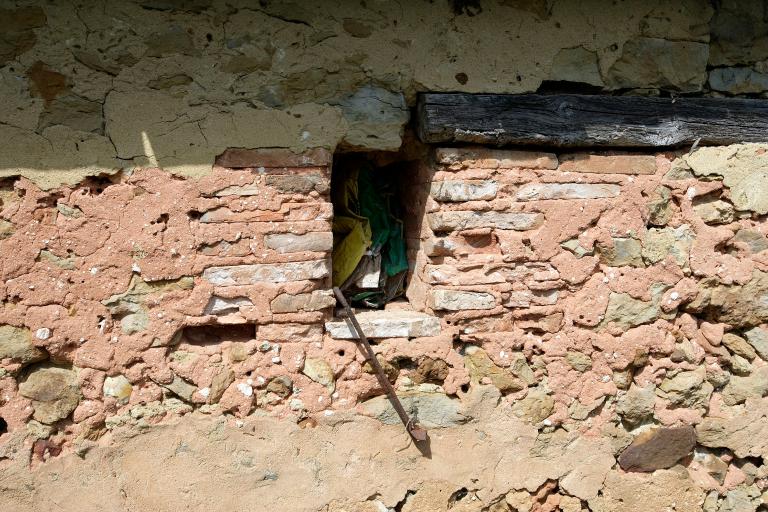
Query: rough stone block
x: 318, y: 241
x: 541, y: 191
x: 458, y: 190
x: 266, y: 273
x: 16, y: 344
x: 455, y: 221
x: 658, y: 448
x: 608, y: 164
x: 387, y: 324
x: 458, y: 300
x: 315, y: 301
x: 221, y: 305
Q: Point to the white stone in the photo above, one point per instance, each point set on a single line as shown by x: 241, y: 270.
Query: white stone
x: 266, y: 273
x: 245, y: 389
x: 542, y: 191
x: 387, y: 324
x: 458, y: 220
x: 316, y: 241
x: 117, y: 387
x: 43, y: 333
x: 458, y: 300
x: 460, y: 190
x: 219, y: 305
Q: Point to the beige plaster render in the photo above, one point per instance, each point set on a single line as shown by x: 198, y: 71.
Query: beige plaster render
x: 92, y: 87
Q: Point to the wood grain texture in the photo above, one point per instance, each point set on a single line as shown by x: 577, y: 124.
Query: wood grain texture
x: 571, y: 120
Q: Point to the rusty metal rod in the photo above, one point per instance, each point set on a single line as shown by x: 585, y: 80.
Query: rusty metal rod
x: 415, y: 431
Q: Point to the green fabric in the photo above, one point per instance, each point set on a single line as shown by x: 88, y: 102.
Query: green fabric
x: 387, y: 230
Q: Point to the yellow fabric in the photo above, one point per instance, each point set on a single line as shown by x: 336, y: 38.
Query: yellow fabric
x: 351, y: 232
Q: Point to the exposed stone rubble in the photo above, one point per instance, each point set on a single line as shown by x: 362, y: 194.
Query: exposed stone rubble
x: 617, y: 336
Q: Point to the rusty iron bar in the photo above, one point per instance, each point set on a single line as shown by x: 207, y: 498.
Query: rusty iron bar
x: 413, y: 428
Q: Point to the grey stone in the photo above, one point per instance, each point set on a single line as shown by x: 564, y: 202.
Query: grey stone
x: 315, y: 301
x: 576, y: 65
x: 387, y: 324
x: 687, y: 389
x: 222, y: 305
x: 625, y: 251
x: 658, y: 448
x: 321, y: 372
x: 432, y: 410
x: 755, y: 241
x: 738, y: 80
x: 320, y: 241
x: 637, y: 405
x: 54, y: 392
x: 463, y: 190
x: 738, y: 365
x: 16, y: 345
x: 480, y: 367
x: 74, y: 111
x: 715, y: 211
x: 739, y: 389
x: 743, y: 170
x: 741, y: 306
x: 578, y: 361
x: 238, y: 275
x: 660, y: 243
x: 739, y: 346
x: 626, y: 311
x: 658, y: 63
x: 181, y: 388
x: 659, y: 206
x: 376, y: 118
x: 575, y: 247
x: 459, y: 220
x: 542, y: 191
x: 741, y: 499
x: 535, y: 407
x: 758, y: 338
x: 219, y: 385
x: 458, y: 300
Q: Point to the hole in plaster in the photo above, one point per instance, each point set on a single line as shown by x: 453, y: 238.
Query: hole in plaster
x: 194, y: 215
x: 341, y: 353
x: 3, y: 426
x: 96, y: 185
x: 457, y: 496
x: 465, y: 388
x: 214, y: 334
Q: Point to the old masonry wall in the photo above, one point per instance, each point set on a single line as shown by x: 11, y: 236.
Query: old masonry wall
x: 581, y: 331
x: 604, y: 310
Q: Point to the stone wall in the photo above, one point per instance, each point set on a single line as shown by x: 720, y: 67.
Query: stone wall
x: 582, y: 331
x: 605, y: 310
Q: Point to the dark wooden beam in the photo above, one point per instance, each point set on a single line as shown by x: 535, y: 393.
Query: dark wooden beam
x: 571, y: 120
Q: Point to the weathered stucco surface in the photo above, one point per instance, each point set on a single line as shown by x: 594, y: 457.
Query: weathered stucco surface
x: 92, y: 87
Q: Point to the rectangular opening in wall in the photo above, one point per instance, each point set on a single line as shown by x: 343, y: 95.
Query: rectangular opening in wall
x: 373, y: 218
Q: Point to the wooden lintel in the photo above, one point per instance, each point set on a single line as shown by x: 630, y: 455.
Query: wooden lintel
x: 570, y: 120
